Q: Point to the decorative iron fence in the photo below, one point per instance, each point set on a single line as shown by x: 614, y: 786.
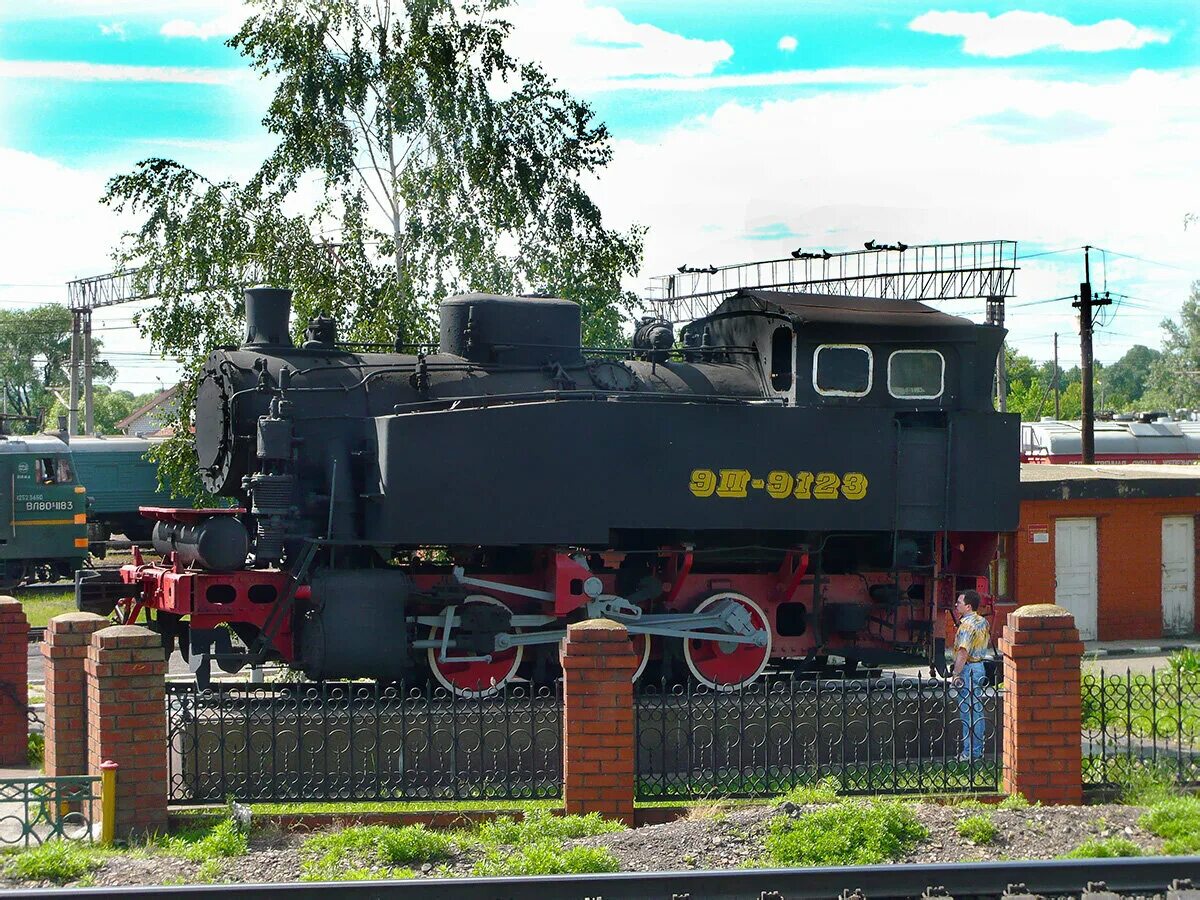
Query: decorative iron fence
x: 361, y: 741
x: 871, y: 735
x: 1138, y: 724
x: 34, y: 810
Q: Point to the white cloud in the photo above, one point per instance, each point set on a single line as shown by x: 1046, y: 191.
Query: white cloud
x: 787, y: 43
x: 221, y: 26
x: 960, y: 166
x: 1017, y: 32
x: 81, y: 71
x: 839, y: 75
x: 114, y: 29
x: 581, y: 43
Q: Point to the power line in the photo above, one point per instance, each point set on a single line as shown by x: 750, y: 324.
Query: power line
x: 1143, y: 259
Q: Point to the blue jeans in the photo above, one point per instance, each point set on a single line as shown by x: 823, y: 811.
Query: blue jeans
x: 970, y: 710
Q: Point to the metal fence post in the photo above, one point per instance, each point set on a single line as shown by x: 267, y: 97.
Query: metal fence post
x: 108, y: 801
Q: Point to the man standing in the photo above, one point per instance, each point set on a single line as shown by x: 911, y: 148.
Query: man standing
x: 970, y: 644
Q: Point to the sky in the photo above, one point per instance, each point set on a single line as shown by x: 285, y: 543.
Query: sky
x: 741, y: 131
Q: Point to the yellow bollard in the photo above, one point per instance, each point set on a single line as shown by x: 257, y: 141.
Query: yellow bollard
x: 108, y: 801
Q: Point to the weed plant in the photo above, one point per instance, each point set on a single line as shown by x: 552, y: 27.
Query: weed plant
x: 59, y: 861
x: 203, y: 843
x: 1185, y: 661
x: 372, y: 848
x: 1146, y: 784
x: 1104, y: 848
x: 35, y: 749
x: 824, y: 791
x: 1014, y: 801
x: 545, y: 859
x: 978, y: 829
x: 539, y: 826
x: 850, y: 833
x: 1177, y: 821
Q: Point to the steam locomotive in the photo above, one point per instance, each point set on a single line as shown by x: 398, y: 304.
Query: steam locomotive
x: 791, y: 476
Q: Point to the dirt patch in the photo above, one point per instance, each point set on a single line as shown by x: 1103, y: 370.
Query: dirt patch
x: 715, y: 839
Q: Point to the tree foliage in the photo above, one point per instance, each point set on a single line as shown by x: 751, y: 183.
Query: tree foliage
x: 441, y: 165
x: 1174, y: 379
x: 111, y: 406
x: 35, y: 357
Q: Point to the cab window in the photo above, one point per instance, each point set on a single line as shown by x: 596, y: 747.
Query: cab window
x: 54, y: 470
x: 916, y: 374
x: 842, y: 370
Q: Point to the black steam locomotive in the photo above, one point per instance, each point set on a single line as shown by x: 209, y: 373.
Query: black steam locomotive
x: 791, y: 476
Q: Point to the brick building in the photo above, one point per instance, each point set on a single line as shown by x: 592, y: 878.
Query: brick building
x: 1115, y: 545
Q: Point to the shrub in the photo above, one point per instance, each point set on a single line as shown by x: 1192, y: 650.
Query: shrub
x: 1178, y: 821
x: 59, y: 861
x: 546, y: 859
x: 850, y: 833
x: 1104, y: 848
x: 35, y: 751
x: 978, y: 829
x: 539, y: 826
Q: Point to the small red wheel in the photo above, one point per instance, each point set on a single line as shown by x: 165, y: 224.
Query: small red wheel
x: 726, y: 665
x: 473, y: 679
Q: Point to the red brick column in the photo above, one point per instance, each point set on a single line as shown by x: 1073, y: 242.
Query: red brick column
x: 63, y: 654
x: 127, y: 723
x: 1042, y: 757
x: 14, y: 683
x: 598, y: 744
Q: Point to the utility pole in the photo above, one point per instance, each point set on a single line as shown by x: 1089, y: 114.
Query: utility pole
x: 73, y: 406
x: 1085, y: 304
x: 995, y: 316
x: 89, y: 409
x: 1057, y: 404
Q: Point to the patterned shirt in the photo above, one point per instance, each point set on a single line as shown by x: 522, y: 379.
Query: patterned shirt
x: 972, y: 636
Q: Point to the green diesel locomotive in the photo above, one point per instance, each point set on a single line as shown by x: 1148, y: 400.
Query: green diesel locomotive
x: 43, y: 511
x: 60, y: 499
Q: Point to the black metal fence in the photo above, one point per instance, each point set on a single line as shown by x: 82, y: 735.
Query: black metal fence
x: 1138, y: 725
x: 870, y: 735
x: 360, y: 741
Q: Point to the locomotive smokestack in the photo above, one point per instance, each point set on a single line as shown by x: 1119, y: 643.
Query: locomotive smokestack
x: 267, y: 313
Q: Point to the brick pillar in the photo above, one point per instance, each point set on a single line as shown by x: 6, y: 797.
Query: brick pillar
x: 127, y: 723
x: 14, y: 683
x: 63, y: 654
x: 1042, y: 757
x: 598, y: 743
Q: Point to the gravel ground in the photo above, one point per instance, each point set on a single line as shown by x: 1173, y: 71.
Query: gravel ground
x: 710, y: 838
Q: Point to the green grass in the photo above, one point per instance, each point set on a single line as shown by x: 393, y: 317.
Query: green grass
x: 539, y: 827
x: 59, y: 861
x: 1166, y: 706
x: 545, y: 859
x: 824, y: 791
x: 390, y: 806
x: 372, y: 851
x: 1177, y: 821
x: 850, y: 833
x: 1104, y: 848
x: 978, y: 829
x: 42, y: 605
x: 206, y: 842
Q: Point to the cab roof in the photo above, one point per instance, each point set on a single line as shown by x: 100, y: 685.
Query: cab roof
x: 32, y: 443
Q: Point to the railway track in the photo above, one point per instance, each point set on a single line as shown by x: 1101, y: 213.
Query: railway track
x: 1171, y: 878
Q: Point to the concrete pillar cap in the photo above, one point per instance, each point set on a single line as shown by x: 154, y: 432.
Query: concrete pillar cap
x: 1040, y: 611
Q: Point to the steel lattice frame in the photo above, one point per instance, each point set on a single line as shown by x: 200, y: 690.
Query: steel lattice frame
x: 920, y: 272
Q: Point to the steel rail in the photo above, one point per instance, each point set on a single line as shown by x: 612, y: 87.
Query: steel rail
x: 893, y: 882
